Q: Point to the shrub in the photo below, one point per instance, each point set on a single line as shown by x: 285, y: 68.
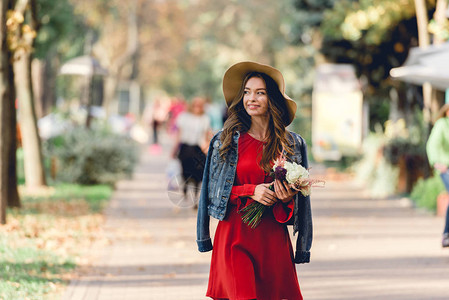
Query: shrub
x: 374, y: 170
x: 426, y: 191
x: 90, y: 157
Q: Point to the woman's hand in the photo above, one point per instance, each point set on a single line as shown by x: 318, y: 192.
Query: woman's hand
x: 440, y: 167
x: 283, y: 191
x: 174, y: 153
x: 264, y: 195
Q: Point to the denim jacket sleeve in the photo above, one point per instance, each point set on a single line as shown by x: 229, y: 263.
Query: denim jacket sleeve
x: 203, y: 219
x: 303, y: 213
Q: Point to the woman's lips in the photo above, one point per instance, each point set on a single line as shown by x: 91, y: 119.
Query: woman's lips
x: 253, y: 106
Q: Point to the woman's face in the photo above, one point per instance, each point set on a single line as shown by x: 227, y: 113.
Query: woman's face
x: 197, y: 106
x: 255, y: 97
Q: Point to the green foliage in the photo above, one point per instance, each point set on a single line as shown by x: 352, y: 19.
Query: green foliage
x: 379, y: 109
x: 90, y: 157
x: 400, y: 147
x: 222, y: 33
x: 205, y: 82
x: 19, y: 166
x: 303, y: 126
x: 426, y: 191
x: 374, y: 170
x: 373, y: 35
x: 95, y: 196
x: 310, y: 14
x: 371, y: 20
x: 405, y: 138
x: 29, y: 273
x: 61, y: 30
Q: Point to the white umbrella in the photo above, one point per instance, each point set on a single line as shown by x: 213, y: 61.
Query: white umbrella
x: 430, y: 64
x: 83, y: 65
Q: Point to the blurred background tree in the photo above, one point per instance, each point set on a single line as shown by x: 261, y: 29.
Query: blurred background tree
x: 375, y: 36
x: 8, y: 185
x: 23, y: 25
x: 372, y: 35
x: 61, y: 36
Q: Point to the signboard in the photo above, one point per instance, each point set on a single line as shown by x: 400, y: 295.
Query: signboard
x: 337, y: 113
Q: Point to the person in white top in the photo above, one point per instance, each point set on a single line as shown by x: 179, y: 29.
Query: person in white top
x: 193, y: 134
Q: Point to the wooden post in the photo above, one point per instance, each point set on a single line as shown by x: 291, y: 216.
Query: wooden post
x: 423, y: 38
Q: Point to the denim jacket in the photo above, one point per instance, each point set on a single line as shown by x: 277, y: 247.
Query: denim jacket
x: 218, y: 179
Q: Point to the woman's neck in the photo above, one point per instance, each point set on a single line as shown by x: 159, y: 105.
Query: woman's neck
x: 259, y: 129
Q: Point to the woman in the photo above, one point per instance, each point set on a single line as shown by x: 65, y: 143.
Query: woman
x: 191, y: 143
x: 253, y: 263
x: 438, y: 154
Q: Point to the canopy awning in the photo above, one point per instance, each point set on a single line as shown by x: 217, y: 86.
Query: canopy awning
x: 430, y: 65
x: 83, y: 65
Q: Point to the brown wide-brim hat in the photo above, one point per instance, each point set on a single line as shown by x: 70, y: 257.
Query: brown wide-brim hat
x: 442, y: 111
x: 234, y: 76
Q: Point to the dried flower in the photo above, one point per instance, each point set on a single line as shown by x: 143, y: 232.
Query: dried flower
x: 279, y: 173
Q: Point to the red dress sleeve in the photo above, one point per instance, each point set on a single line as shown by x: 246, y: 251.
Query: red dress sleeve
x: 283, y: 211
x: 240, y: 196
x: 241, y: 192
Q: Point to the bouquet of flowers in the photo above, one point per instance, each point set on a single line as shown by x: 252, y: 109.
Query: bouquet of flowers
x: 297, y: 178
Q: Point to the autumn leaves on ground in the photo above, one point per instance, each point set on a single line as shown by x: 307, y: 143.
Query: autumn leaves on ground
x: 43, y: 241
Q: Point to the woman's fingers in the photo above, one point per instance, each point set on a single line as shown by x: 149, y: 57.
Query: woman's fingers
x: 283, y: 191
x: 264, y: 195
x: 269, y: 196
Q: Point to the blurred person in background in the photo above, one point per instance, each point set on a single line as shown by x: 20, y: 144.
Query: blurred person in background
x: 177, y: 106
x: 213, y: 110
x: 193, y: 132
x: 254, y: 262
x: 438, y: 154
x: 159, y: 115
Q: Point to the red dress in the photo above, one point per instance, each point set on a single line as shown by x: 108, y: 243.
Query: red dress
x: 253, y: 263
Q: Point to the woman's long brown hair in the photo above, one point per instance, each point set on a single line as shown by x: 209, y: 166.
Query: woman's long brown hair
x: 239, y: 120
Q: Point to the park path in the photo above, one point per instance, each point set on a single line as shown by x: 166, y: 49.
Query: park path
x: 363, y: 248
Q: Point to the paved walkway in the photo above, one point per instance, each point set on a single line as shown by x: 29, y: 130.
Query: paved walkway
x: 363, y: 248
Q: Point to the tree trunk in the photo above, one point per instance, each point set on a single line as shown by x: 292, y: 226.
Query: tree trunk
x: 13, y: 194
x: 8, y: 187
x: 423, y: 22
x: 49, y: 84
x: 44, y: 83
x: 116, y: 67
x: 440, y: 19
x: 110, y: 88
x: 423, y: 38
x: 4, y: 98
x: 33, y: 162
x: 37, y: 78
x: 90, y: 83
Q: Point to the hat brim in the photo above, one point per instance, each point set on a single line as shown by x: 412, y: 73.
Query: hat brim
x: 234, y: 76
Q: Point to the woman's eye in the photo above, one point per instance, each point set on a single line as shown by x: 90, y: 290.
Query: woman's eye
x: 245, y: 92
x: 261, y: 93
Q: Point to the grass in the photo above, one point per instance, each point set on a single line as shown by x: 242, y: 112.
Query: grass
x: 426, y: 191
x: 45, y: 240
